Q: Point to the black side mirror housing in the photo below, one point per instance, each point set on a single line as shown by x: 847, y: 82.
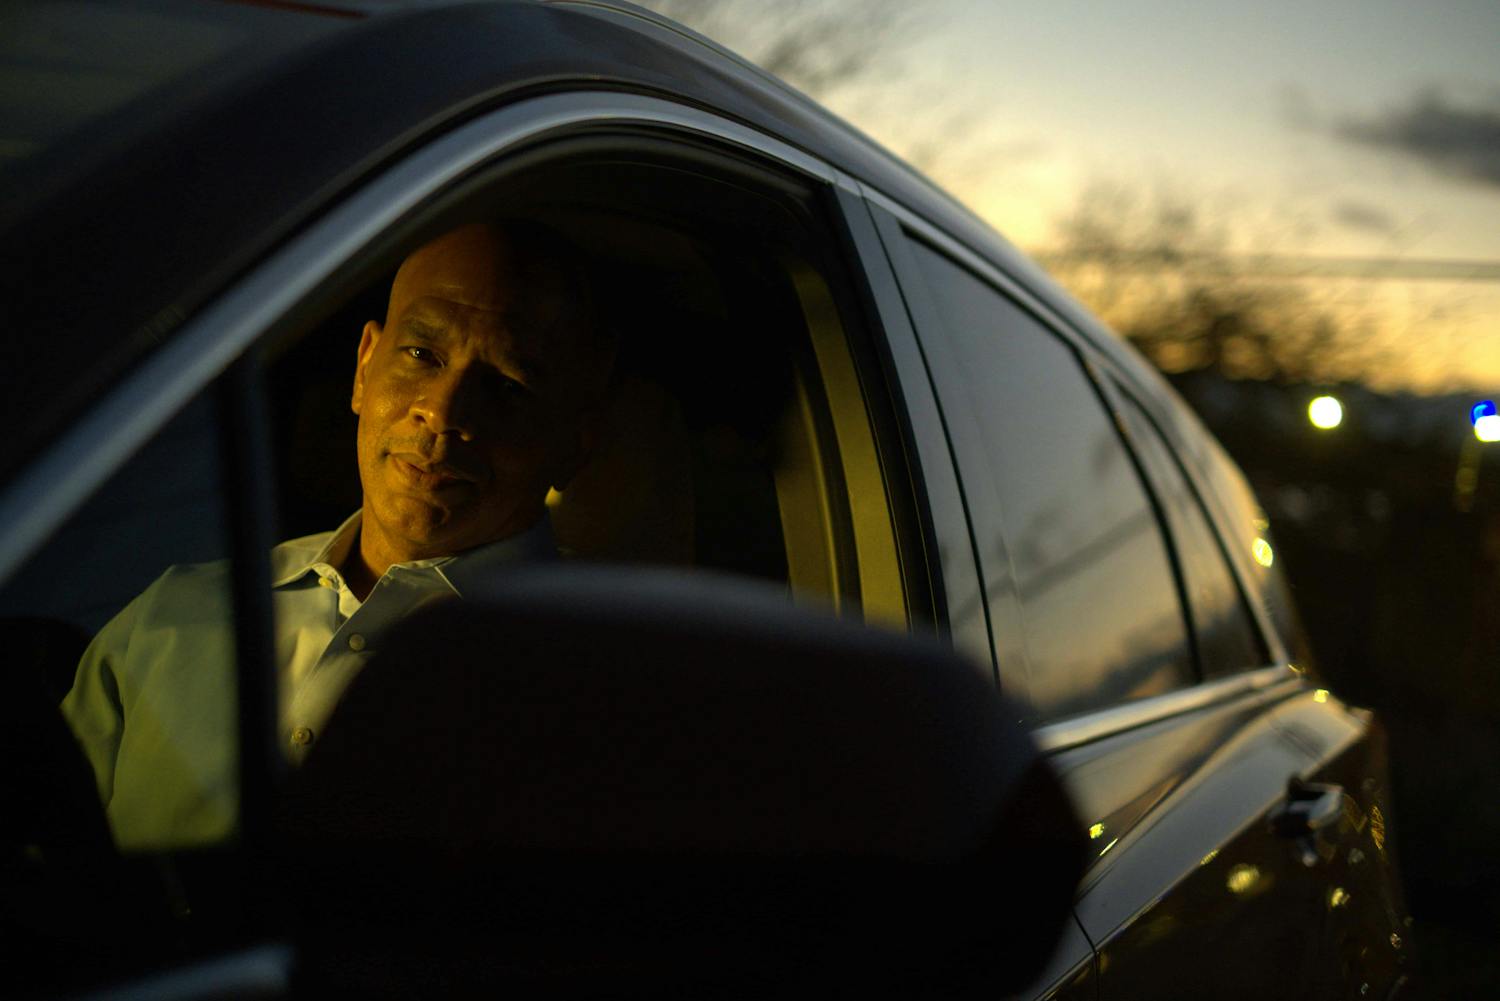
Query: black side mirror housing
x: 608, y: 782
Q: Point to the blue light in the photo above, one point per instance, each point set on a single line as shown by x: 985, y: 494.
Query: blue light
x: 1482, y: 409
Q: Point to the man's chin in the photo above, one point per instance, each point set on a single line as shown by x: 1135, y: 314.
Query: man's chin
x: 429, y: 530
x: 419, y: 523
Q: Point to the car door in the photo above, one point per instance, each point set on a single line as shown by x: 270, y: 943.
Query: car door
x: 1191, y: 893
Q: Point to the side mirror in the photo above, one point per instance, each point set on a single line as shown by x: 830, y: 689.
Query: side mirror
x: 611, y: 782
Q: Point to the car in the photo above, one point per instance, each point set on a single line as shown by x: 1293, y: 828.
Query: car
x: 873, y: 492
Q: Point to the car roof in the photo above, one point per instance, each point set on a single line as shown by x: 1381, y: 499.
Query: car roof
x: 113, y: 235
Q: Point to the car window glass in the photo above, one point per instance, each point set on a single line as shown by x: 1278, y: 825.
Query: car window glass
x: 1253, y: 542
x: 124, y: 619
x: 1102, y: 618
x: 1226, y: 639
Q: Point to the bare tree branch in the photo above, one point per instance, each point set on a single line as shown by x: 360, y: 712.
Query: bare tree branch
x: 1156, y: 269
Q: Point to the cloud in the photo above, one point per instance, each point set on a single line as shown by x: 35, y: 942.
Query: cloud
x: 1458, y: 140
x: 1364, y: 216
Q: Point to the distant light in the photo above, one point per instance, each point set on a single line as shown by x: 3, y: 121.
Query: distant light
x: 1321, y: 695
x: 1097, y: 831
x: 1261, y: 550
x: 1243, y: 878
x: 1481, y: 410
x: 1487, y: 428
x: 1325, y: 412
x: 1337, y: 897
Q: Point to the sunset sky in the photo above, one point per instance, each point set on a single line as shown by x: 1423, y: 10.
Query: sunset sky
x: 1366, y: 130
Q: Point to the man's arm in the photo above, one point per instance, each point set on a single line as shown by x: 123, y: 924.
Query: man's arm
x: 153, y: 708
x: 93, y: 707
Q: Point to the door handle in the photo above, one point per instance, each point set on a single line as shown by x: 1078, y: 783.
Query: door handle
x: 1310, y: 809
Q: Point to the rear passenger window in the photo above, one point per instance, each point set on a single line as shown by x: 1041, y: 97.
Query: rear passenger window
x: 1227, y: 641
x: 1049, y: 482
x: 1252, y: 537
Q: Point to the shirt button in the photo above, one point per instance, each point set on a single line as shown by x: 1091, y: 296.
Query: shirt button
x: 302, y: 736
x: 356, y: 642
x: 325, y: 582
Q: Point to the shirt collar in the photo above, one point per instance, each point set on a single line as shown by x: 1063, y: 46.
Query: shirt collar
x: 296, y: 558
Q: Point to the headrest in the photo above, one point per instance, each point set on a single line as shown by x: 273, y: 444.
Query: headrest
x: 633, y: 500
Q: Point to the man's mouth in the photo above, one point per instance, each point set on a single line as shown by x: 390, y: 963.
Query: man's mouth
x: 429, y: 475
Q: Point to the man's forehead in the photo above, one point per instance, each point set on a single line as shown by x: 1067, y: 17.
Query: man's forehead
x: 511, y: 325
x: 467, y: 274
x: 476, y: 267
x: 439, y: 311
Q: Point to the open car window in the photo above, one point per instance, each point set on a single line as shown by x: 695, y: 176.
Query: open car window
x: 734, y: 435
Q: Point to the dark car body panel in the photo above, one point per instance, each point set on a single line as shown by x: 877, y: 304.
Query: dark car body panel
x: 1188, y: 865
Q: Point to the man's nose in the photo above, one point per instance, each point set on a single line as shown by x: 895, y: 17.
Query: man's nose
x: 449, y: 403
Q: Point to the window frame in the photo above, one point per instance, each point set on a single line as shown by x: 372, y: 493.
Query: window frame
x: 874, y: 577
x: 961, y: 614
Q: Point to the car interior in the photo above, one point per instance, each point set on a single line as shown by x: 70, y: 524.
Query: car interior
x: 716, y: 446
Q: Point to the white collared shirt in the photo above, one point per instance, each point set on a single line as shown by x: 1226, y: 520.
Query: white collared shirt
x: 153, y: 701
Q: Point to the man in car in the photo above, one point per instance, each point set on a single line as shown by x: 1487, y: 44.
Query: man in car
x: 476, y: 396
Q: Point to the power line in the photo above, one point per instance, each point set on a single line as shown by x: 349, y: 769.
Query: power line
x: 1280, y: 265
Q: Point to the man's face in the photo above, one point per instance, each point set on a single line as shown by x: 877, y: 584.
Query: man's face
x: 471, y: 400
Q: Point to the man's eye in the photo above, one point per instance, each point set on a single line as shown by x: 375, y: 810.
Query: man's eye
x: 420, y: 354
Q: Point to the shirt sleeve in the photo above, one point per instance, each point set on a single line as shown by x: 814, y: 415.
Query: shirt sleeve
x: 153, y: 708
x: 93, y: 707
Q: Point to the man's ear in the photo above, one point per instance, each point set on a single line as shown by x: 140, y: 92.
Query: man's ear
x: 367, y: 341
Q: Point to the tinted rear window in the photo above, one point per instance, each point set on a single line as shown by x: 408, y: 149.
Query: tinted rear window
x: 1102, y: 619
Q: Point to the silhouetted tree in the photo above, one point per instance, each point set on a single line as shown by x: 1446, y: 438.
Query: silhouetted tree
x: 1159, y: 271
x: 851, y: 55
